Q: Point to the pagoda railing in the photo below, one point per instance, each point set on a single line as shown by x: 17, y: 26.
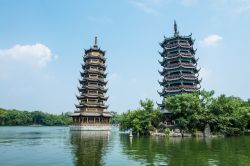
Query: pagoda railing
x: 95, y: 62
x: 179, y: 63
x: 182, y: 86
x: 182, y: 53
x: 178, y: 77
x: 95, y: 70
x: 94, y: 57
x: 178, y: 44
x: 99, y: 64
x: 182, y: 74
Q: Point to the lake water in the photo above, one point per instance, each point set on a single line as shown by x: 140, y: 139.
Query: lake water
x: 52, y: 146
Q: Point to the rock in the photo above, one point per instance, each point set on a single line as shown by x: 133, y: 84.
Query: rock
x: 207, y: 131
x: 187, y: 135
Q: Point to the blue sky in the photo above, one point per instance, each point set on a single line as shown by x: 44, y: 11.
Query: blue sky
x: 42, y: 43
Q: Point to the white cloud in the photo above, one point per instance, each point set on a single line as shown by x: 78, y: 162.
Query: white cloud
x: 148, y: 6
x: 211, y: 40
x: 36, y: 55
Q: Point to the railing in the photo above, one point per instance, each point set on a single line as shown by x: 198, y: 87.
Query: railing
x: 93, y: 56
x: 182, y: 86
x: 177, y: 77
x: 91, y: 63
x: 179, y: 53
x: 93, y: 79
x: 95, y: 70
x: 94, y: 87
x: 183, y: 74
x: 177, y: 44
x: 180, y: 63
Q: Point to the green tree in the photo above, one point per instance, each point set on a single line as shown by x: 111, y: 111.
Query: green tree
x: 142, y: 120
x: 187, y: 111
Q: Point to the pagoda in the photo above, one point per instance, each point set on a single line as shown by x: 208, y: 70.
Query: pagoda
x: 180, y: 73
x: 91, y: 112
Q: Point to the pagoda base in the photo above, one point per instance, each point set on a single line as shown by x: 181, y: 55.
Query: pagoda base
x: 91, y: 127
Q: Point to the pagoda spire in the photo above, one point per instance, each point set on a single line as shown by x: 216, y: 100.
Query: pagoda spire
x: 95, y: 43
x: 175, y: 29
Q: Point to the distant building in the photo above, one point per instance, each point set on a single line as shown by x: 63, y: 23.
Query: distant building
x: 91, y: 113
x: 180, y: 73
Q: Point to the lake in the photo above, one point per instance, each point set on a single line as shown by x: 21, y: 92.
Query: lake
x: 51, y: 146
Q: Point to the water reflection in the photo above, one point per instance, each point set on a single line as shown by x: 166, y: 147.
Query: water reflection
x: 52, y: 145
x: 89, y: 147
x: 188, y: 151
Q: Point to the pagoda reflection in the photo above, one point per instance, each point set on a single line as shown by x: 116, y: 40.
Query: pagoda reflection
x: 88, y: 147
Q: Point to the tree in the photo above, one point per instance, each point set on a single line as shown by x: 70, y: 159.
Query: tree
x: 187, y: 110
x: 142, y: 120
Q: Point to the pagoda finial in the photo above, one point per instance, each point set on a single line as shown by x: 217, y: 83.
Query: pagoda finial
x: 175, y: 28
x: 95, y: 43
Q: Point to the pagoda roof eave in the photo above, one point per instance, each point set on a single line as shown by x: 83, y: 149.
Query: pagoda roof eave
x: 92, y: 72
x: 96, y: 114
x: 91, y: 106
x: 91, y: 96
x: 92, y: 80
x: 90, y: 87
x: 93, y: 49
x: 178, y: 37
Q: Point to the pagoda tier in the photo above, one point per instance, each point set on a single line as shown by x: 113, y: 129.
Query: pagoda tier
x: 97, y: 66
x: 92, y: 92
x: 90, y: 79
x: 88, y: 72
x: 180, y: 73
x: 86, y: 88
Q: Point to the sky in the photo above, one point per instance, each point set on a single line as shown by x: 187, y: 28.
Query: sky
x: 42, y: 43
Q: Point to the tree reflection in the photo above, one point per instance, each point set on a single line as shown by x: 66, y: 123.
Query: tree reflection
x: 187, y: 151
x: 89, y: 147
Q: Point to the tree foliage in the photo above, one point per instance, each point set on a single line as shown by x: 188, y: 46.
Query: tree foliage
x: 226, y: 115
x: 142, y: 120
x: 15, y: 118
